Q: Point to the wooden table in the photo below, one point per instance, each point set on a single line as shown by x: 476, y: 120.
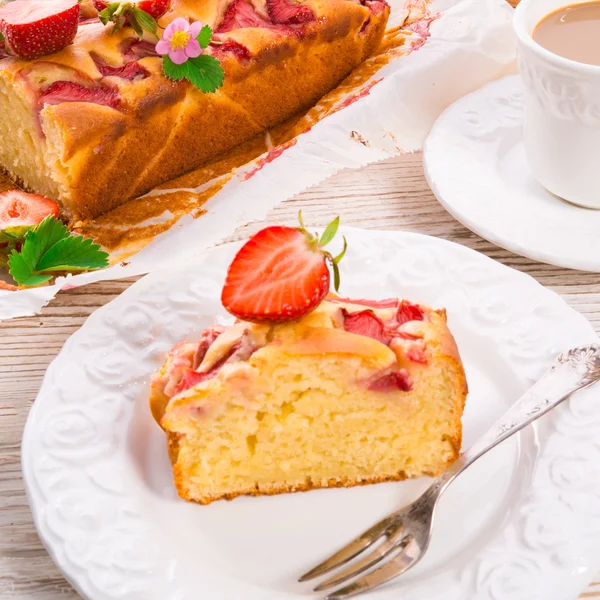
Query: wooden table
x: 388, y: 195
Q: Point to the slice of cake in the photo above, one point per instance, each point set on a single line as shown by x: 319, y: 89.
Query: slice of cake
x: 352, y: 392
x: 99, y: 122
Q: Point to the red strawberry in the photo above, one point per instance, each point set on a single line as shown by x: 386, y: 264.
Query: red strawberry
x: 366, y: 323
x: 34, y: 28
x: 235, y: 48
x: 155, y: 8
x: 67, y: 91
x: 393, y: 381
x: 20, y: 211
x: 289, y: 12
x: 206, y: 341
x: 280, y: 274
x: 409, y: 312
x: 241, y: 14
x: 133, y: 49
x: 129, y: 70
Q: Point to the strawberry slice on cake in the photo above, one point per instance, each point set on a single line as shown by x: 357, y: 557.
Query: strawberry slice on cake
x: 308, y: 389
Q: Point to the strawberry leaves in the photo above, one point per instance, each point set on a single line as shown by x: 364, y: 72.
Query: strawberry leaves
x: 329, y: 232
x: 143, y: 20
x: 49, y: 248
x: 204, y: 72
x: 122, y: 13
x: 319, y: 243
x: 281, y: 274
x: 205, y: 36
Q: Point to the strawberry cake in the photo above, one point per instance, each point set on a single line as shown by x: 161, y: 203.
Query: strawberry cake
x: 98, y: 122
x: 309, y: 391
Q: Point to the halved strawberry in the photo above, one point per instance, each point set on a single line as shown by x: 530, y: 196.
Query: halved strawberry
x: 20, y: 211
x: 34, y: 28
x: 280, y: 274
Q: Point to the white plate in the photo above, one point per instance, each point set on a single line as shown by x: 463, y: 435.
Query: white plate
x: 523, y: 524
x: 476, y: 166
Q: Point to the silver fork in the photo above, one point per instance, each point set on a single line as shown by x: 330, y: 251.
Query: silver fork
x: 405, y: 534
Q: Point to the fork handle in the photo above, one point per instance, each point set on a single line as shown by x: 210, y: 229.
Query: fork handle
x: 572, y: 371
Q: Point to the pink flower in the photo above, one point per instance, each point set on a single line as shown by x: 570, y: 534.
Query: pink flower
x: 179, y: 41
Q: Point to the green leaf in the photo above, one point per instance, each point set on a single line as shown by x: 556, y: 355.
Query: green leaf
x: 208, y: 74
x: 336, y: 276
x: 22, y: 273
x: 118, y: 24
x: 74, y: 253
x: 136, y: 27
x: 106, y: 15
x: 204, y: 72
x: 329, y: 232
x: 50, y: 247
x: 146, y: 21
x: 173, y: 71
x: 39, y: 240
x: 338, y: 258
x: 205, y: 36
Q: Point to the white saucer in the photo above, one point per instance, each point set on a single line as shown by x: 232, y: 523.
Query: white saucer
x: 476, y: 166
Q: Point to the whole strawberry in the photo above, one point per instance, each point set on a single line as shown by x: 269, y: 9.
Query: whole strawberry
x: 34, y: 28
x: 281, y: 274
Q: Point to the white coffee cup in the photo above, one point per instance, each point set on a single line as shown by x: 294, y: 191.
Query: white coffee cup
x: 562, y: 112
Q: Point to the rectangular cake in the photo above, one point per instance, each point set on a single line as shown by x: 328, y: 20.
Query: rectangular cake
x: 98, y: 123
x: 355, y: 392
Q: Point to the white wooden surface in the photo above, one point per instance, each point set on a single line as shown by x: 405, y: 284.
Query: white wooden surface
x: 388, y: 195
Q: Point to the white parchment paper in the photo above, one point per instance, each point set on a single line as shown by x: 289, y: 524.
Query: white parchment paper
x: 470, y: 44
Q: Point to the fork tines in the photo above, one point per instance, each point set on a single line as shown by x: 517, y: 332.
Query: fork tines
x: 397, y: 550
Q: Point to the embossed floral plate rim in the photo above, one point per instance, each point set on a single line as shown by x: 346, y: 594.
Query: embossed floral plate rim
x: 466, y: 166
x: 76, y: 445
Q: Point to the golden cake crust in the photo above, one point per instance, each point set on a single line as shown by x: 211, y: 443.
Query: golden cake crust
x: 162, y: 128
